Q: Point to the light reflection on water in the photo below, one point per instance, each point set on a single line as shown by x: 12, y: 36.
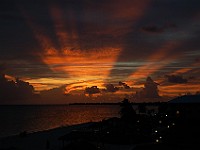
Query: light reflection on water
x: 16, y: 119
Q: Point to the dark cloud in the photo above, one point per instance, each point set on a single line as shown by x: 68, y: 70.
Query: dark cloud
x: 31, y: 69
x: 15, y: 92
x: 119, y: 25
x: 111, y: 88
x: 174, y: 20
x: 158, y: 29
x: 8, y: 17
x: 152, y: 29
x: 150, y: 90
x: 2, y: 68
x: 176, y: 79
x: 124, y: 85
x: 54, y: 93
x: 92, y: 90
x: 197, y: 60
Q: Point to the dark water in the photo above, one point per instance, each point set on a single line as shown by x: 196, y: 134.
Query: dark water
x: 16, y: 119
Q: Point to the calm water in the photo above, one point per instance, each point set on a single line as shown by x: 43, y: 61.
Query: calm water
x: 15, y: 119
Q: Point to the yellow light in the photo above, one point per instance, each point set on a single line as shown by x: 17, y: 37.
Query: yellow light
x: 177, y: 112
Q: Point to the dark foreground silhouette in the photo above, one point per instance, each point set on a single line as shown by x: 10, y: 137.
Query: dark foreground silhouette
x: 175, y: 126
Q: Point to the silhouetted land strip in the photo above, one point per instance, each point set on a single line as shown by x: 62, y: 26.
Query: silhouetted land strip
x: 133, y: 103
x: 175, y: 126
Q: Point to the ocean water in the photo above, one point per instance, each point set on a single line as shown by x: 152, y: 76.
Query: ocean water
x: 16, y: 119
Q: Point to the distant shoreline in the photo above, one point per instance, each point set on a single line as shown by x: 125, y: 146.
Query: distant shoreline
x: 146, y: 103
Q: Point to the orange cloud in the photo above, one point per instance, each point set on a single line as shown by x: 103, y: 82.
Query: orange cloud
x: 131, y: 9
x: 186, y: 70
x: 38, y: 31
x: 82, y: 64
x: 10, y: 78
x: 156, y: 61
x: 45, y: 83
x: 128, y: 10
x: 175, y: 90
x: 75, y: 64
x: 66, y: 31
x: 79, y: 87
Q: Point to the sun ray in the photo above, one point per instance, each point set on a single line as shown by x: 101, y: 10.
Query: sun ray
x: 156, y: 61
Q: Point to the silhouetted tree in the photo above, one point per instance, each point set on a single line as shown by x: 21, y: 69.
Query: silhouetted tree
x: 127, y: 112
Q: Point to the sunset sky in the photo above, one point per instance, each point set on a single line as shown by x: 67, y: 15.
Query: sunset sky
x: 64, y: 47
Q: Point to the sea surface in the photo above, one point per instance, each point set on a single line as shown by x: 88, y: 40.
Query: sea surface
x: 16, y: 119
